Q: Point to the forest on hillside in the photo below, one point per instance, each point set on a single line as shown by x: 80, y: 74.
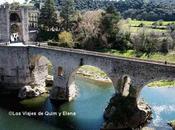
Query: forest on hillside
x: 152, y: 10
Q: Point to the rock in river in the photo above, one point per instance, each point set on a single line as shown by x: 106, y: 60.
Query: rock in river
x: 29, y: 92
x: 124, y: 110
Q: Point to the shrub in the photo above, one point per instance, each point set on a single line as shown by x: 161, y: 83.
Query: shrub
x: 165, y: 46
x: 66, y: 39
x: 92, y: 43
x: 122, y: 42
x: 141, y: 25
x: 47, y: 35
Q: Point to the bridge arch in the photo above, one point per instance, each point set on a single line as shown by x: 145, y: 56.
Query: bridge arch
x: 140, y: 72
x: 90, y: 72
x: 41, y: 68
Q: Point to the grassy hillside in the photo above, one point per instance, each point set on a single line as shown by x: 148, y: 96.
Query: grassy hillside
x: 134, y: 26
x: 148, y: 23
x: 170, y: 58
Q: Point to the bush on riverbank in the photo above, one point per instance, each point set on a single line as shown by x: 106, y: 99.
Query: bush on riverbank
x: 94, y: 75
x: 162, y: 83
x: 92, y: 71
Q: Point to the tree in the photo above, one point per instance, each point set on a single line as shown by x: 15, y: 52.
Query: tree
x: 67, y: 12
x: 109, y: 26
x: 110, y: 20
x: 14, y: 5
x: 146, y: 42
x: 48, y: 17
x: 165, y: 46
x: 66, y: 39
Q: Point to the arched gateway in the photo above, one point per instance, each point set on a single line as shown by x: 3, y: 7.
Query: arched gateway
x: 17, y: 69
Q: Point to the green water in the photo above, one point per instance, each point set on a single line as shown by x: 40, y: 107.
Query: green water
x: 88, y: 107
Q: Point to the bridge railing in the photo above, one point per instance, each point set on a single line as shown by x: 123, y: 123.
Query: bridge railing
x: 80, y: 51
x: 93, y: 53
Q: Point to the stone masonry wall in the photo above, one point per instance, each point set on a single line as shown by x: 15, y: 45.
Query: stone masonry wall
x: 4, y: 23
x: 15, y: 68
x: 14, y: 72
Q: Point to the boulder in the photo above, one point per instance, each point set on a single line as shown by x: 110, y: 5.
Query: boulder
x: 23, y: 91
x: 172, y: 124
x: 124, y: 111
x: 29, y: 92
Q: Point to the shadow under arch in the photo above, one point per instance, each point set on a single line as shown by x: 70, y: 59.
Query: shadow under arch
x: 15, y: 33
x: 41, y: 70
x: 14, y: 28
x: 14, y: 17
x: 88, y: 73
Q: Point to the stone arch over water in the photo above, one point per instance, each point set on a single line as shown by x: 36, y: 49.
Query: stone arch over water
x: 102, y: 80
x: 137, y: 72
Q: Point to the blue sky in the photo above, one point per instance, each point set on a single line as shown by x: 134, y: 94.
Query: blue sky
x: 10, y: 1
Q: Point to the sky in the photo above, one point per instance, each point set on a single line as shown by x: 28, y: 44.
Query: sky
x: 10, y: 1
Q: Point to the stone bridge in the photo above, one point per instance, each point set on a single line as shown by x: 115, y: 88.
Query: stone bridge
x: 17, y: 64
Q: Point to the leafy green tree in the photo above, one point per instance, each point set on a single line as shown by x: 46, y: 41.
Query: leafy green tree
x: 110, y: 20
x: 67, y: 12
x: 109, y: 29
x: 66, y: 39
x: 48, y: 16
x: 146, y: 42
x: 165, y: 46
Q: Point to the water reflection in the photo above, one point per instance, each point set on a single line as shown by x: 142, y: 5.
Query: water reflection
x: 88, y: 106
x: 162, y: 102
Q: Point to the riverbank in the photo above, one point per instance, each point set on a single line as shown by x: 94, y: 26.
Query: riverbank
x: 98, y: 82
x: 162, y: 83
x: 93, y: 75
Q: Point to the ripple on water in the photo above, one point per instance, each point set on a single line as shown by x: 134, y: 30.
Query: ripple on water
x: 161, y: 113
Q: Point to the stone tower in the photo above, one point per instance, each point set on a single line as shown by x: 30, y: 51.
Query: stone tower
x: 14, y: 24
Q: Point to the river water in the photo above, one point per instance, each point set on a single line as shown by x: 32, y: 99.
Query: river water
x: 86, y: 112
x: 162, y: 102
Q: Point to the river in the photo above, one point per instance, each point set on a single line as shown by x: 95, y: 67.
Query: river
x: 88, y: 107
x: 162, y: 102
